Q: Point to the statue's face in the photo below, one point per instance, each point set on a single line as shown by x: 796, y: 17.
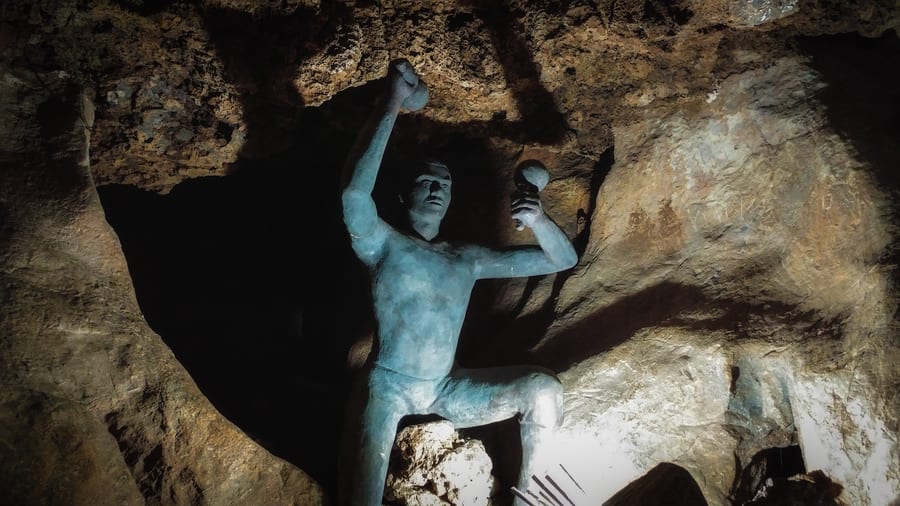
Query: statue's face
x: 429, y: 196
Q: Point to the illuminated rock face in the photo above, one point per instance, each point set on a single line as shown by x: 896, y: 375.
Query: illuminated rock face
x: 757, y: 310
x: 728, y: 184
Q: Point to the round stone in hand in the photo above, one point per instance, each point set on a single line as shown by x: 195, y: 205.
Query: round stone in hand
x: 418, y: 98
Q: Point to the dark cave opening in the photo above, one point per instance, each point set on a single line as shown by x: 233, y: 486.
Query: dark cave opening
x: 766, y: 468
x: 221, y: 279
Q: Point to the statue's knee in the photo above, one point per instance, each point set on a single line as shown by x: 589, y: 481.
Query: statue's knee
x: 546, y: 398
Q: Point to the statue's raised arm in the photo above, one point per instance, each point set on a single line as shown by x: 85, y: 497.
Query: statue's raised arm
x: 404, y: 91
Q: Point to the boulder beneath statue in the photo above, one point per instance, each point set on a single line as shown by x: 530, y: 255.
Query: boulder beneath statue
x: 431, y: 465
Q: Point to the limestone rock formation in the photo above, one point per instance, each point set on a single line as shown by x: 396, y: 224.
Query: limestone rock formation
x: 432, y: 465
x: 725, y: 168
x: 754, y: 309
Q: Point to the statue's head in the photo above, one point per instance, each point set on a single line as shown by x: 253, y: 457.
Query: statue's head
x: 427, y: 194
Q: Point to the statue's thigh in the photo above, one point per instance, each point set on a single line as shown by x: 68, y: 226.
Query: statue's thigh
x: 472, y: 397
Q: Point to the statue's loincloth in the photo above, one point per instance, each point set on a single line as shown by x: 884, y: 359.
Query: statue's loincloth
x: 410, y: 394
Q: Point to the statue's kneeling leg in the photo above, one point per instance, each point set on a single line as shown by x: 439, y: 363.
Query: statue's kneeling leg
x: 541, y: 399
x: 541, y: 415
x: 368, y: 449
x: 471, y: 397
x: 379, y: 430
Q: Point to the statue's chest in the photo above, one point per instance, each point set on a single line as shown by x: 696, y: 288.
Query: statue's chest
x: 425, y: 266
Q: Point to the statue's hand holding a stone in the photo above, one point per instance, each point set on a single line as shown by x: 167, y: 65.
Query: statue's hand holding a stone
x: 527, y: 209
x: 406, y: 88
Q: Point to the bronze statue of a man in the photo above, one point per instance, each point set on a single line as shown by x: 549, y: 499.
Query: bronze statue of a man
x: 420, y: 291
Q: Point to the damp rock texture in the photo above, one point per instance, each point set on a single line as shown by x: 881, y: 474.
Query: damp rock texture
x: 725, y: 168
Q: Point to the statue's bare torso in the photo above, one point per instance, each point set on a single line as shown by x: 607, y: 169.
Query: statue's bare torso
x: 420, y: 293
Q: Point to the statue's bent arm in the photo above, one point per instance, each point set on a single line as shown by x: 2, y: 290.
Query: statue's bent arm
x: 554, y: 253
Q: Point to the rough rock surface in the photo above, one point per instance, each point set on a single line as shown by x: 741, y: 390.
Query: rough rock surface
x: 96, y: 409
x: 726, y: 170
x: 59, y: 453
x: 758, y: 310
x: 432, y: 465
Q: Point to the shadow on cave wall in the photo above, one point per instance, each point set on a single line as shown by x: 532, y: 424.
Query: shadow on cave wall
x: 507, y: 338
x: 862, y: 95
x: 862, y: 100
x: 665, y: 484
x: 776, y: 464
x: 249, y: 278
x: 666, y: 304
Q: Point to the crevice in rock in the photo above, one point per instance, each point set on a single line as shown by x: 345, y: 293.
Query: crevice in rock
x: 144, y: 460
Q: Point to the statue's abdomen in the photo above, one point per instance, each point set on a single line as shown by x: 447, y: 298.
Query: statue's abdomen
x: 420, y: 298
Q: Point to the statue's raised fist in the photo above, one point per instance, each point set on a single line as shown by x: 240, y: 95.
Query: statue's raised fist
x: 407, y: 86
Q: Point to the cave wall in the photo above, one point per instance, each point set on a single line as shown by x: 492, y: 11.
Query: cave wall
x: 726, y: 170
x: 96, y: 407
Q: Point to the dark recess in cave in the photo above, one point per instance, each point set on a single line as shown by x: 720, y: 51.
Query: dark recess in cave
x: 776, y: 464
x: 664, y: 485
x: 55, y: 118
